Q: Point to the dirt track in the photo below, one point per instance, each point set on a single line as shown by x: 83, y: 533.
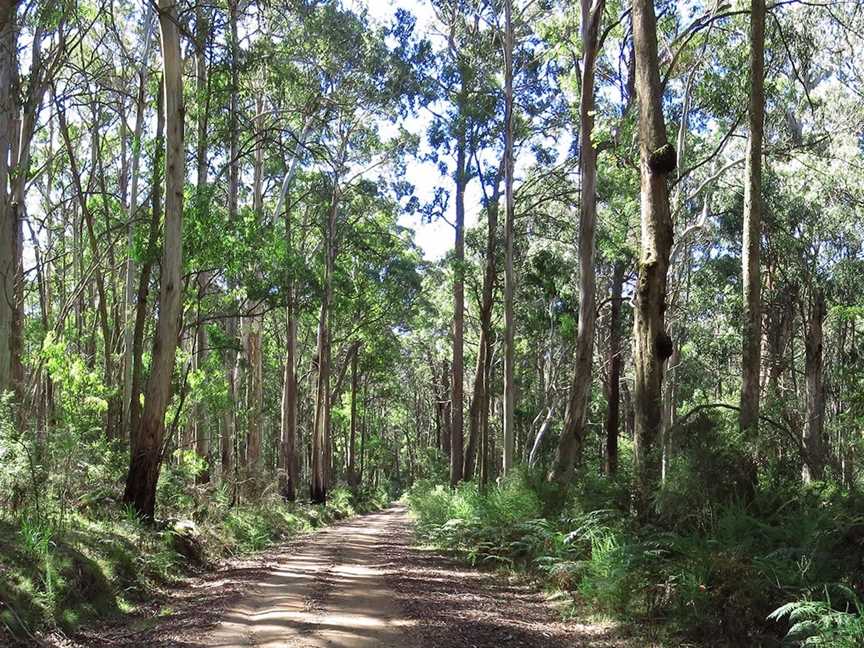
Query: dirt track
x: 333, y: 592
x: 358, y: 584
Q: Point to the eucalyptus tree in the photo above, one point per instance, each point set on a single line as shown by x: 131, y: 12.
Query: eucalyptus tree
x: 509, y: 207
x: 147, y: 441
x: 459, y: 87
x: 652, y: 344
x: 8, y: 221
x: 362, y: 85
x: 45, y: 30
x: 128, y: 403
x: 571, y: 440
x: 752, y: 229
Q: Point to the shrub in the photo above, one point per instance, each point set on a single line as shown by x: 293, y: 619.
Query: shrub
x: 815, y: 622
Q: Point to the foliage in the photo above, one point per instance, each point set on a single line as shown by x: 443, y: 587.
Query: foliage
x: 821, y: 623
x: 711, y: 569
x: 101, y: 563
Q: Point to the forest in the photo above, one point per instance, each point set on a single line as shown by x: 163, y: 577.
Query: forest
x: 476, y: 322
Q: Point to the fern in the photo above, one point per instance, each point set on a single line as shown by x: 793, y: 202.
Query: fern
x: 818, y: 623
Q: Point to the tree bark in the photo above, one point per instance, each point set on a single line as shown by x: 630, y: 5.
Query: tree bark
x: 652, y: 344
x: 146, y: 454
x: 458, y: 369
x: 814, y: 459
x: 571, y: 442
x: 752, y: 228
x: 288, y: 463
x: 129, y: 325
x: 202, y: 420
x: 288, y: 468
x: 479, y: 397
x: 229, y: 423
x: 254, y: 355
x: 446, y: 409
x: 478, y: 410
x: 321, y: 432
x: 352, y: 435
x: 147, y: 268
x: 8, y: 225
x: 509, y: 324
x: 613, y: 387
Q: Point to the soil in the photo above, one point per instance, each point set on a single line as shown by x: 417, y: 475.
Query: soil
x: 358, y: 584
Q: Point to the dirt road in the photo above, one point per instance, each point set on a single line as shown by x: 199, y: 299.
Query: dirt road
x: 358, y: 584
x: 333, y: 592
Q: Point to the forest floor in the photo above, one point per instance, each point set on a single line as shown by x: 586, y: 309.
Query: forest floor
x: 358, y: 584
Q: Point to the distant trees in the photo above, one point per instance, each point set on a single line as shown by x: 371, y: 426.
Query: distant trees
x: 266, y: 317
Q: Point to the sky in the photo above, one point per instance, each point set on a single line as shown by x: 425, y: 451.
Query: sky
x: 436, y: 238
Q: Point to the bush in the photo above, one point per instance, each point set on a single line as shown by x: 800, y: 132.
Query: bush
x: 822, y: 623
x: 715, y: 563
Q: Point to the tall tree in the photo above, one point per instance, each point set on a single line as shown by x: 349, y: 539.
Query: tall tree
x: 572, y: 436
x: 129, y: 315
x: 147, y: 442
x: 509, y: 207
x: 229, y: 423
x: 814, y: 425
x: 457, y: 432
x: 752, y: 230
x: 8, y: 220
x: 202, y: 199
x: 652, y: 345
x: 614, y: 363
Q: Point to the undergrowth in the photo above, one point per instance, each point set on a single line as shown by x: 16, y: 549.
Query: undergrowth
x: 729, y: 564
x: 98, y: 564
x: 71, y: 553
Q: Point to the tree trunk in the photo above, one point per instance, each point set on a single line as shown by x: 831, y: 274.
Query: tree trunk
x: 446, y: 409
x: 363, y: 429
x: 814, y: 459
x: 509, y: 324
x: 129, y: 325
x: 321, y: 433
x: 613, y: 387
x: 479, y: 397
x: 254, y: 355
x: 572, y: 439
x: 147, y: 268
x: 146, y: 455
x: 229, y: 423
x: 8, y: 226
x: 458, y: 370
x: 652, y: 344
x: 288, y: 477
x: 752, y: 228
x: 352, y: 436
x: 478, y: 410
x: 202, y: 420
x: 288, y: 464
